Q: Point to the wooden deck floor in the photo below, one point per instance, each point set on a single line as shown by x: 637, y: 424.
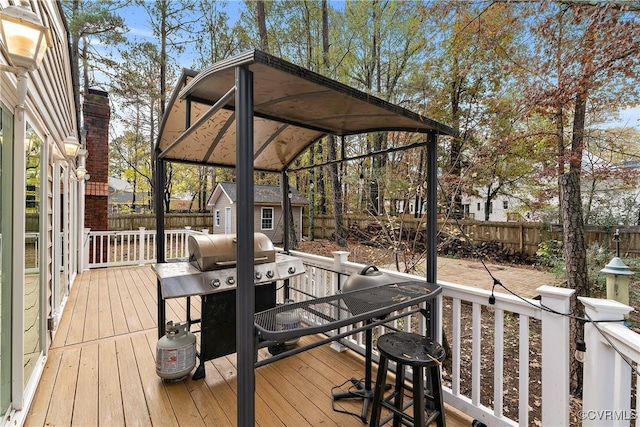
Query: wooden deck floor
x: 101, y: 369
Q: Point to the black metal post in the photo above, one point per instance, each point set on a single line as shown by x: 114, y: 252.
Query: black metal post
x: 286, y: 210
x: 432, y: 226
x: 160, y: 249
x: 286, y: 207
x: 245, y: 303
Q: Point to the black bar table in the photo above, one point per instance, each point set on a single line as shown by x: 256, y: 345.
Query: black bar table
x: 371, y: 306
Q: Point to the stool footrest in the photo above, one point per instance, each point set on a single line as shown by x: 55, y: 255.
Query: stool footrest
x: 432, y: 415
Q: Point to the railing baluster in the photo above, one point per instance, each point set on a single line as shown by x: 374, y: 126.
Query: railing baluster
x: 455, y: 350
x: 523, y: 364
x: 498, y: 362
x: 476, y: 353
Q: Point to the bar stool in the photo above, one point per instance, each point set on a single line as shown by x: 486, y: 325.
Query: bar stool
x: 417, y: 351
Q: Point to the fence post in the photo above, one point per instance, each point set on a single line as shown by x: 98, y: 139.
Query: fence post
x: 142, y: 240
x: 604, y: 389
x: 339, y: 258
x: 555, y: 355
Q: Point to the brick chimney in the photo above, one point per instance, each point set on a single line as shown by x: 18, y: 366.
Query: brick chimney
x: 96, y: 112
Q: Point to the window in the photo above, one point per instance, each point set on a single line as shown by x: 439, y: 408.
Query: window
x: 479, y: 207
x: 266, y: 219
x: 216, y: 221
x: 505, y: 204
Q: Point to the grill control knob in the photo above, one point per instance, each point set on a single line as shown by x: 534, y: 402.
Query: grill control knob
x: 270, y: 274
x: 215, y: 283
x: 231, y: 280
x: 291, y: 270
x: 258, y: 275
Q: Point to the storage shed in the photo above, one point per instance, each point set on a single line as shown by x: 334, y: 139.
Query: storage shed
x: 267, y: 211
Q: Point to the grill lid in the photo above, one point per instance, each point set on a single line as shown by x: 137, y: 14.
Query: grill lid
x: 216, y: 251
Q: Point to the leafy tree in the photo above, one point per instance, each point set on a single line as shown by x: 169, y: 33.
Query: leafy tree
x: 586, y: 54
x: 464, y: 78
x: 381, y: 42
x: 130, y: 161
x: 92, y: 23
x: 609, y: 180
x: 139, y: 112
x: 171, y: 22
x: 215, y: 39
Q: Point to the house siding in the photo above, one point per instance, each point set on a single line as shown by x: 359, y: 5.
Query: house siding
x: 276, y: 235
x: 266, y: 197
x: 50, y: 111
x: 220, y: 205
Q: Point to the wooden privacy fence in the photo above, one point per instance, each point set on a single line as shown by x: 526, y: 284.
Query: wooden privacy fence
x: 126, y: 222
x: 518, y: 236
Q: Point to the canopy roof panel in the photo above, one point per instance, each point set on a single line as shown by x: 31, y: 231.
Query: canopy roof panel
x: 293, y: 107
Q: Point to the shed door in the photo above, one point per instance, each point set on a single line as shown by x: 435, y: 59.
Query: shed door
x: 227, y: 220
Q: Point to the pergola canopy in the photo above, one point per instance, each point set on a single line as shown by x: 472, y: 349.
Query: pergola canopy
x: 258, y: 112
x: 292, y: 106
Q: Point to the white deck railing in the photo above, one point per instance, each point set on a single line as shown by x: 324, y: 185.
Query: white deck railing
x: 477, y: 332
x: 119, y: 248
x: 320, y: 280
x: 611, y: 351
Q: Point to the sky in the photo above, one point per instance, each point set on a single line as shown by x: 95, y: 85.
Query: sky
x: 137, y: 20
x: 630, y: 117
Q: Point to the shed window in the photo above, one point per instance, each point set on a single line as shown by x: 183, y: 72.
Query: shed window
x: 216, y: 221
x: 505, y: 204
x: 266, y: 219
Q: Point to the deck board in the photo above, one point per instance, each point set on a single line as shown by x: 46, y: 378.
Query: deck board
x: 63, y: 394
x: 100, y: 370
x: 91, y: 321
x: 132, y: 392
x: 117, y: 310
x: 86, y: 412
x: 40, y: 406
x: 110, y: 410
x: 106, y: 302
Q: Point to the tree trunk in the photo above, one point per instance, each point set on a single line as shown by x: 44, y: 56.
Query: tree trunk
x: 310, y: 233
x: 575, y: 253
x: 340, y: 235
x: 262, y: 26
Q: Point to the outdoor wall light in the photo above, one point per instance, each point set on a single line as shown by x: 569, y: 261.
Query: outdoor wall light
x: 71, y: 146
x: 81, y: 172
x: 24, y: 38
x: 23, y: 42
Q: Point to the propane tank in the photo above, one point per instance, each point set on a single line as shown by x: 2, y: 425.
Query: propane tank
x: 176, y: 352
x: 287, y: 320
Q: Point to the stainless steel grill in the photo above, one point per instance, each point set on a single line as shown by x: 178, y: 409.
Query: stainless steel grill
x: 212, y: 266
x: 211, y: 274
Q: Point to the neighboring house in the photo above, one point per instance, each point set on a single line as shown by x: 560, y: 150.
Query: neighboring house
x: 42, y: 171
x: 501, y: 209
x: 121, y: 197
x: 267, y: 210
x: 611, y: 193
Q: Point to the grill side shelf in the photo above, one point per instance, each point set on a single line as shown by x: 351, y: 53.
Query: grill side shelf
x: 351, y: 307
